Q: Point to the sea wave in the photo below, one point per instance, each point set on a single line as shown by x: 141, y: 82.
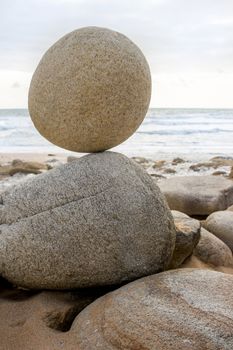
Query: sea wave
x: 164, y: 131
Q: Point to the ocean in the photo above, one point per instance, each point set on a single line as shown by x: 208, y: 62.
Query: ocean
x: 164, y: 134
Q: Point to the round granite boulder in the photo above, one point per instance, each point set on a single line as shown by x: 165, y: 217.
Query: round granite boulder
x: 96, y: 221
x: 179, y: 309
x: 90, y: 91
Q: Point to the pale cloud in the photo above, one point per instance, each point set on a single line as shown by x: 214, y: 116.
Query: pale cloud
x: 187, y: 43
x: 16, y: 85
x: 193, y: 90
x: 13, y: 89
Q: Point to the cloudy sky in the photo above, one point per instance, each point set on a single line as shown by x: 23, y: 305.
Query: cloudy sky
x: 188, y: 44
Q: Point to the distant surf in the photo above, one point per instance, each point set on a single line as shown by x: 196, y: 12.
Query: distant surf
x: 191, y: 133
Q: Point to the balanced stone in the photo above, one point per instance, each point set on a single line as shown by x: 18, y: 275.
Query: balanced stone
x: 90, y: 91
x: 99, y: 220
x: 179, y: 309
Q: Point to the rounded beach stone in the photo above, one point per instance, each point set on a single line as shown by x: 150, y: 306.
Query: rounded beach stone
x: 211, y: 250
x: 90, y: 91
x: 220, y: 223
x: 99, y: 220
x: 187, y: 237
x: 179, y: 309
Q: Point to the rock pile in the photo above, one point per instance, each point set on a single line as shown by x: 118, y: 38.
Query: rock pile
x: 100, y: 221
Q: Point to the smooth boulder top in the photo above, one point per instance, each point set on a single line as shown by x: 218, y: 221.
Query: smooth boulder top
x: 220, y: 224
x: 178, y: 309
x: 90, y: 91
x: 96, y: 221
x: 197, y: 195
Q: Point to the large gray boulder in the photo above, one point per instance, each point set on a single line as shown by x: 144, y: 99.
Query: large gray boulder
x: 181, y: 309
x: 96, y: 221
x: 197, y: 195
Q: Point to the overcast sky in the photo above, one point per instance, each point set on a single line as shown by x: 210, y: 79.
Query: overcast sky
x: 188, y: 44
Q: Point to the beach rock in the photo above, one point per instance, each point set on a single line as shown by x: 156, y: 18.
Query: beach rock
x: 169, y: 171
x: 18, y: 166
x: 100, y: 220
x: 197, y: 195
x: 222, y: 161
x: 178, y: 161
x: 220, y: 224
x: 187, y: 237
x: 199, y: 166
x: 230, y: 208
x: 231, y: 173
x: 219, y: 172
x: 212, y: 250
x: 140, y: 160
x: 101, y: 83
x: 179, y: 309
x: 159, y: 164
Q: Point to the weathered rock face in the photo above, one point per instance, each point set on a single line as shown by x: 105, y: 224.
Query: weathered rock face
x: 90, y: 91
x: 197, y: 195
x: 212, y: 250
x: 179, y: 309
x: 187, y: 237
x: 95, y: 221
x: 220, y: 224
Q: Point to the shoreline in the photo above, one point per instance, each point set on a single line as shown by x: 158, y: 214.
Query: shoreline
x: 32, y: 157
x: 17, y: 167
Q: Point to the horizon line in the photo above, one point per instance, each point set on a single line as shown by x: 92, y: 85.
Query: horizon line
x: 25, y: 108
